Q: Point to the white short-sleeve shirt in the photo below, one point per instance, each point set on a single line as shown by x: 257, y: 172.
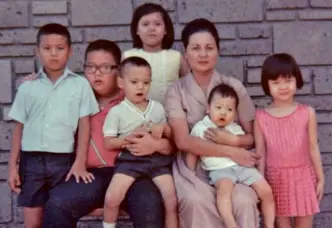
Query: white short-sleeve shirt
x: 213, y: 163
x: 125, y: 117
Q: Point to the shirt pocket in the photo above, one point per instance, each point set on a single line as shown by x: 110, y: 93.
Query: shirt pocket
x: 71, y: 110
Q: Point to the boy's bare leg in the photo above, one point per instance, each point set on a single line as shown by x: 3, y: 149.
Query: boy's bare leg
x: 166, y: 186
x: 224, y: 189
x: 33, y: 217
x: 115, y: 194
x: 264, y: 192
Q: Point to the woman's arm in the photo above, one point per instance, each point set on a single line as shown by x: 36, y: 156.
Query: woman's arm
x: 200, y: 147
x: 226, y: 138
x: 115, y: 143
x: 315, y: 153
x: 247, y: 140
x: 142, y: 143
x: 260, y: 146
x: 184, y: 67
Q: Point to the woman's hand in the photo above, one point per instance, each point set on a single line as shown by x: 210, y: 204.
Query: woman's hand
x: 141, y: 144
x: 220, y: 136
x: 245, y: 158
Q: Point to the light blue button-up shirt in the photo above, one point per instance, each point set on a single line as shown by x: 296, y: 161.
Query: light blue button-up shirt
x: 50, y: 111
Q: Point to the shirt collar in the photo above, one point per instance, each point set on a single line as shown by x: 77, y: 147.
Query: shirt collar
x: 41, y: 73
x: 208, y: 122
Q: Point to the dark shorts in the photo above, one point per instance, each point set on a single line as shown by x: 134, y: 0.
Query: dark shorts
x: 40, y: 172
x: 149, y: 166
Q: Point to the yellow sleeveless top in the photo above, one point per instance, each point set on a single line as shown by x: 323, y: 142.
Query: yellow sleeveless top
x: 165, y: 66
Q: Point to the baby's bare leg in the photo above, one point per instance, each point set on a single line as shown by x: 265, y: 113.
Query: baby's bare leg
x: 264, y: 192
x: 166, y: 186
x: 114, y: 196
x: 224, y: 189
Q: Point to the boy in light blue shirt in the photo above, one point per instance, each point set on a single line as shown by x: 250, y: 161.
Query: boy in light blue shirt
x: 48, y: 111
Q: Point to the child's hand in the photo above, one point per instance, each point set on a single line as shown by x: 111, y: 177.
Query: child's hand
x: 14, y: 180
x: 320, y: 190
x: 219, y: 136
x: 143, y: 128
x: 79, y: 172
x: 157, y: 130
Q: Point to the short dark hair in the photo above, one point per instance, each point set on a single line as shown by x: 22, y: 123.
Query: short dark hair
x: 51, y: 29
x: 107, y: 46
x: 133, y: 61
x: 144, y: 10
x: 280, y: 65
x: 224, y: 91
x: 199, y: 25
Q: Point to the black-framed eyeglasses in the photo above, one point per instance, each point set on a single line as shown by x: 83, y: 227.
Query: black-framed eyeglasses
x: 104, y: 69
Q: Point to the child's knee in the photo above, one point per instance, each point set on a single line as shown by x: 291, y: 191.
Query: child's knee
x: 266, y: 193
x: 112, y: 200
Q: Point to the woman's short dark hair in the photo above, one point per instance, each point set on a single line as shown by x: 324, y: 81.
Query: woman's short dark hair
x: 144, y: 10
x: 280, y: 65
x: 224, y: 90
x: 199, y: 25
x: 106, y: 46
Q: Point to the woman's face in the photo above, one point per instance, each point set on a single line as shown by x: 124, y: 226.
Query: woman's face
x: 100, y: 70
x: 202, y: 52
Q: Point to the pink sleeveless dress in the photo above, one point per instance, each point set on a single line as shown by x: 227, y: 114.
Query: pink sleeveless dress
x: 289, y: 170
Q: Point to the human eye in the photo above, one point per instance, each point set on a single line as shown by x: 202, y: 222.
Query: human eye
x: 106, y: 68
x: 134, y: 82
x: 89, y: 67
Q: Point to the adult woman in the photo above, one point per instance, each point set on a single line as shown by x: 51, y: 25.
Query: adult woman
x: 71, y: 201
x: 185, y: 103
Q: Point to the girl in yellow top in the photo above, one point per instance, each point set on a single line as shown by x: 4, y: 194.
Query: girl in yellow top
x: 153, y: 36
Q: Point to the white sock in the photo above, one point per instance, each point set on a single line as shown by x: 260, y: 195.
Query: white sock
x: 109, y: 225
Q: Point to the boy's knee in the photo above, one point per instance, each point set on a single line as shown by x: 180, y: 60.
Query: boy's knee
x: 112, y: 201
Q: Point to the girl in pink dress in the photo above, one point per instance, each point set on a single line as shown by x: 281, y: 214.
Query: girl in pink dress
x: 286, y: 138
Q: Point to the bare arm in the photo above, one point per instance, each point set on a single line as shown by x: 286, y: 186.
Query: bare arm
x: 16, y: 145
x: 226, y: 138
x: 247, y: 140
x: 200, y: 147
x: 260, y: 146
x: 115, y: 143
x: 78, y: 169
x: 184, y: 67
x: 314, y: 149
x: 83, y: 140
x: 13, y: 178
x: 142, y: 143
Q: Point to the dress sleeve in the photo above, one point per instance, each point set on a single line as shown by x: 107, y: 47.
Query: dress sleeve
x: 173, y: 102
